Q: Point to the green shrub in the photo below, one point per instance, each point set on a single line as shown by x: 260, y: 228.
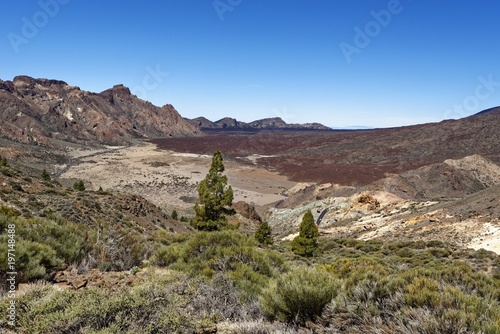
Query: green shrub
x: 370, y: 246
x: 405, y: 252
x: 16, y: 186
x: 79, y: 185
x: 161, y: 301
x: 7, y: 171
x: 422, y: 292
x: 3, y: 162
x: 230, y: 252
x: 8, y: 211
x: 42, y: 244
x: 299, y: 295
x: 33, y: 259
x: 439, y: 252
x: 46, y: 175
x: 157, y: 306
x: 412, y: 287
x: 166, y: 255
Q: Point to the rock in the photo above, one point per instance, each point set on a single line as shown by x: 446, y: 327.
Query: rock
x: 246, y: 210
x: 63, y: 286
x: 79, y: 283
x: 367, y: 199
x: 61, y: 276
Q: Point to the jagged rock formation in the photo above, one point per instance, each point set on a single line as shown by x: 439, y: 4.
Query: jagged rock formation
x: 247, y: 210
x: 37, y: 110
x: 266, y: 123
x: 278, y: 123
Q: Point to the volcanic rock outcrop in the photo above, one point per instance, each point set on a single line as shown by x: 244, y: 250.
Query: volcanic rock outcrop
x: 38, y: 110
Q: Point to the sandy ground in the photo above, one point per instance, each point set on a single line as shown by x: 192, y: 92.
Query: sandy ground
x: 170, y: 179
x: 489, y: 239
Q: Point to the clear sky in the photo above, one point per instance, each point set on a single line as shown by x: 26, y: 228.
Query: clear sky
x: 338, y: 62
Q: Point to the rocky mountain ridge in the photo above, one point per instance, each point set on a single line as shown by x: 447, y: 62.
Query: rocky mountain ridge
x: 38, y: 110
x: 274, y: 123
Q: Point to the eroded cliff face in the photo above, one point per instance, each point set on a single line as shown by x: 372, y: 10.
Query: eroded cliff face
x: 36, y: 110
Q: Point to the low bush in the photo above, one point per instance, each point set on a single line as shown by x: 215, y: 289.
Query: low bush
x: 41, y: 244
x: 299, y: 295
x: 449, y: 297
x: 230, y: 252
x: 164, y: 302
x: 161, y: 301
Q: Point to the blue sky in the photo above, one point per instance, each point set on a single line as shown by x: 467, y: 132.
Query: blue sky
x: 338, y: 62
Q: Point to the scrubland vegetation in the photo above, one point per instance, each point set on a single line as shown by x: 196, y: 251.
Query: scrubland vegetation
x: 225, y: 279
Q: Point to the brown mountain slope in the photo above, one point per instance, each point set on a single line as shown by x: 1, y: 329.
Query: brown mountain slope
x: 451, y: 178
x: 31, y: 196
x: 36, y: 110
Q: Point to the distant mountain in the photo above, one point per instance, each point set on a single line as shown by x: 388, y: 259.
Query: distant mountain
x: 487, y: 111
x: 225, y: 123
x: 266, y: 123
x: 355, y: 127
x: 37, y: 110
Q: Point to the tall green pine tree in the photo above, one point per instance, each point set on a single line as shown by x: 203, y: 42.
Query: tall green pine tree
x: 215, y: 198
x: 306, y: 243
x: 263, y: 234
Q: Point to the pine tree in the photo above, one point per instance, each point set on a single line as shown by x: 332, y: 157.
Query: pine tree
x: 3, y: 162
x: 215, y: 198
x: 174, y: 215
x: 263, y: 234
x: 79, y: 185
x: 46, y: 175
x: 306, y: 243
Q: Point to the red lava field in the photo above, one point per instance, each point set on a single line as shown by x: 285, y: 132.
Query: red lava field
x: 351, y: 157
